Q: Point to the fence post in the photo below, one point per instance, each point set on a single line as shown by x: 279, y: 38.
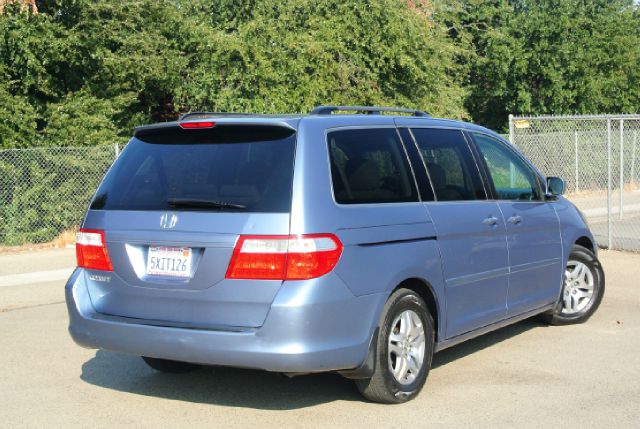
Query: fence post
x: 511, y: 131
x: 575, y: 144
x: 621, y: 211
x: 117, y: 150
x: 609, y: 231
x: 633, y: 158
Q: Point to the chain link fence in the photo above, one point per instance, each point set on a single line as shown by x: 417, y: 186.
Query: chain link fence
x: 45, y: 191
x: 599, y: 158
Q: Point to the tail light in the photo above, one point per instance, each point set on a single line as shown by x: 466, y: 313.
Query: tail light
x: 91, y: 250
x: 282, y: 257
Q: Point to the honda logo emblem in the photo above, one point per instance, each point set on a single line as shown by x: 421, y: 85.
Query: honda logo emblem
x: 168, y: 220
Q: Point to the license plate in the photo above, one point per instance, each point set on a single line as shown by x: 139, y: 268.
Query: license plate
x: 169, y: 261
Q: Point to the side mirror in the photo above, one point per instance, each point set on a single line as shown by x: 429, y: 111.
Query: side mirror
x: 555, y: 186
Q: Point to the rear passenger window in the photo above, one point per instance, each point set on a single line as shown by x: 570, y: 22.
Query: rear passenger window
x: 370, y: 166
x: 450, y: 164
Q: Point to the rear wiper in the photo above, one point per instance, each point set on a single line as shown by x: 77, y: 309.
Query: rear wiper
x: 192, y: 202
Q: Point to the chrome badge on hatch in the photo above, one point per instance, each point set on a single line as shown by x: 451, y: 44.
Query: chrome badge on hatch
x: 168, y: 220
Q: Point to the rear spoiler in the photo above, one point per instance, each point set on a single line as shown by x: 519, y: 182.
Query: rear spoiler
x: 227, y: 130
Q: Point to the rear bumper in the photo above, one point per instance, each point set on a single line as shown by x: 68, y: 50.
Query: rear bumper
x: 312, y: 326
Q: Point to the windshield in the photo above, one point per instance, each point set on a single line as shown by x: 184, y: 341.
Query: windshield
x: 246, y: 174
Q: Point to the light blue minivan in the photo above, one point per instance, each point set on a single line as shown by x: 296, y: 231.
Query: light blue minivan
x: 359, y: 240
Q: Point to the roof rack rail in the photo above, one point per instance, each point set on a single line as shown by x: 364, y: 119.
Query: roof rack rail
x: 371, y: 110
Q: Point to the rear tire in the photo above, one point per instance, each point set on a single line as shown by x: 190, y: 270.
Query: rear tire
x: 582, y: 290
x: 170, y: 366
x: 404, y: 350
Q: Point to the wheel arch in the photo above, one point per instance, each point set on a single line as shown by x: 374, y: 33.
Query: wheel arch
x: 424, y: 289
x: 586, y: 242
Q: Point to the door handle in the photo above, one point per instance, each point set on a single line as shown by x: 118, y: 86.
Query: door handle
x: 514, y: 219
x: 490, y: 221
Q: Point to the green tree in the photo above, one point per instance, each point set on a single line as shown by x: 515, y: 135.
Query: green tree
x: 294, y: 54
x: 18, y: 121
x: 552, y: 56
x: 81, y: 119
x: 103, y: 66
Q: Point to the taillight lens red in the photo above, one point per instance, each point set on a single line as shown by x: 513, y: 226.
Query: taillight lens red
x: 282, y: 257
x: 196, y: 125
x: 91, y: 250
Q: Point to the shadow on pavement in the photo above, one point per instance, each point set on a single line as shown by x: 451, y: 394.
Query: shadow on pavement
x: 484, y: 341
x: 251, y: 388
x: 217, y: 385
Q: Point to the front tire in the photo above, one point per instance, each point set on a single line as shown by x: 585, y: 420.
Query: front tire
x: 404, y: 350
x: 582, y: 290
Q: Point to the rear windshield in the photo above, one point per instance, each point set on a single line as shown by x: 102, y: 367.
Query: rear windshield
x: 216, y: 170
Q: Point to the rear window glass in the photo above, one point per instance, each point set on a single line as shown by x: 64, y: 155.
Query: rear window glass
x: 216, y: 170
x: 370, y: 166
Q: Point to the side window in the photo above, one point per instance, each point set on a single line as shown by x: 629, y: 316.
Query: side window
x: 512, y: 178
x: 450, y: 164
x: 370, y: 166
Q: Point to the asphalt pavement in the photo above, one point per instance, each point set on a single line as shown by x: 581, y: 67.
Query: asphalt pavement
x: 526, y: 375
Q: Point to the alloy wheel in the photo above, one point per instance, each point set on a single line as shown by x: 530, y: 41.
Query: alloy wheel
x: 406, y: 347
x: 578, y: 287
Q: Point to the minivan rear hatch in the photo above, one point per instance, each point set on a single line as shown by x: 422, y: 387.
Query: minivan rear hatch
x: 172, y: 208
